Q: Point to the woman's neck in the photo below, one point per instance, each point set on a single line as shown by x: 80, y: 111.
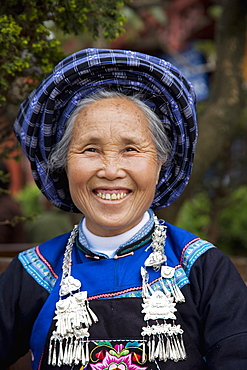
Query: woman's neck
x: 109, y: 245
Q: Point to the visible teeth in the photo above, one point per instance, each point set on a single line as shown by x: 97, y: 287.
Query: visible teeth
x: 112, y: 196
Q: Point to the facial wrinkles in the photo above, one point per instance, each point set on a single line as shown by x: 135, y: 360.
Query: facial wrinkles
x: 112, y: 182
x: 111, y: 144
x: 112, y: 163
x: 112, y: 186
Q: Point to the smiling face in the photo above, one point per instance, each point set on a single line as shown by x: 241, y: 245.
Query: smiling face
x: 112, y: 166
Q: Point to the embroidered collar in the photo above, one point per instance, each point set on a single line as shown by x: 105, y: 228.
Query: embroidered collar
x: 142, y: 237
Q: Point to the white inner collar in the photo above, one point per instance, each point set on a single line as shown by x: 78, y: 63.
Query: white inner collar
x: 108, y: 245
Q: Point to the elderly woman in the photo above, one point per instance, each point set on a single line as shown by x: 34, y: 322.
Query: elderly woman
x: 111, y: 134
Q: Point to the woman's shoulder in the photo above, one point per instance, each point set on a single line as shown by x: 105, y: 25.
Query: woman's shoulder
x: 54, y: 246
x: 50, y: 249
x: 186, y: 246
x: 44, y: 262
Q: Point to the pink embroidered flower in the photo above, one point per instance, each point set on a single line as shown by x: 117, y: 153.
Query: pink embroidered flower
x: 119, y: 347
x: 111, y: 362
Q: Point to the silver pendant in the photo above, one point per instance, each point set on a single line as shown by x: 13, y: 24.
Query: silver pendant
x: 165, y: 339
x: 159, y: 306
x: 73, y: 317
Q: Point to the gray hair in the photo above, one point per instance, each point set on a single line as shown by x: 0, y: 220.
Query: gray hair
x: 58, y: 157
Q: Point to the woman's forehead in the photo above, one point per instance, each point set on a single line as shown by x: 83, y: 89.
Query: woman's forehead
x: 111, y: 114
x: 113, y: 105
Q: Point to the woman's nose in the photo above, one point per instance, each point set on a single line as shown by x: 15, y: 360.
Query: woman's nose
x: 111, y: 169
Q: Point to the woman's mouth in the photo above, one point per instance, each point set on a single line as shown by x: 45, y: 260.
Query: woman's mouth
x: 112, y: 195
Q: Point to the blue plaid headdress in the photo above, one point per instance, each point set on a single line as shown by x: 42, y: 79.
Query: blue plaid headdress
x: 42, y: 116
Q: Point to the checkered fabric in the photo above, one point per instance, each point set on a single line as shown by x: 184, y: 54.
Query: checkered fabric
x: 42, y: 116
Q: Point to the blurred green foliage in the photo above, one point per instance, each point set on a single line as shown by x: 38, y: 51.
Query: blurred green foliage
x: 233, y: 223
x: 29, y: 49
x: 196, y: 215
x: 29, y: 198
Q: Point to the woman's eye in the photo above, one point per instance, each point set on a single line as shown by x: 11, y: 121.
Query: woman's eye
x: 92, y: 150
x: 131, y: 149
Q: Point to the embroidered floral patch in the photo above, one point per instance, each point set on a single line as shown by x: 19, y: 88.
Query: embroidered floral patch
x: 117, y: 357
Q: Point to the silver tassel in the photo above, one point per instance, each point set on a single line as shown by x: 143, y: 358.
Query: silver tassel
x: 143, y: 352
x: 168, y: 273
x: 60, y: 354
x: 50, y: 351
x: 65, y: 355
x: 87, y: 353
x: 83, y: 359
x: 54, y: 356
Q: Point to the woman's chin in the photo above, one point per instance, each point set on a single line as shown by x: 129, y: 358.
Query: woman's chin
x: 111, y: 224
